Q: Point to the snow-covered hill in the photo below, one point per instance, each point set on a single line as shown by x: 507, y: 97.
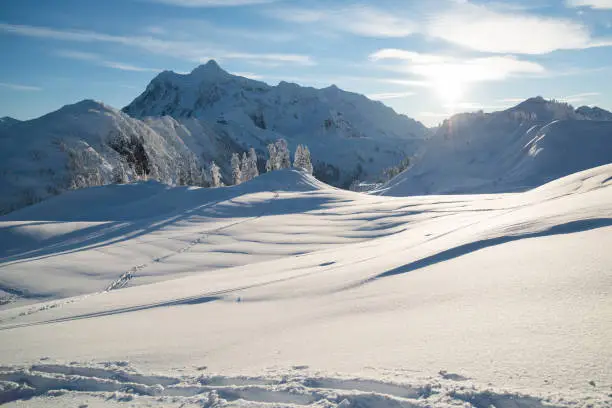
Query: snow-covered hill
x: 84, y: 144
x: 349, y: 135
x: 284, y: 291
x: 525, y: 146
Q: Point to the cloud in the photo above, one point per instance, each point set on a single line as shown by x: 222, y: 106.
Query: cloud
x: 496, y: 28
x: 512, y: 100
x: 479, y: 28
x: 127, y: 67
x: 249, y: 75
x: 211, y: 3
x: 194, y: 51
x: 389, y: 95
x: 291, y: 58
x: 436, y: 68
x: 19, y: 87
x: 581, y: 97
x: 415, y: 57
x: 360, y: 20
x: 596, y: 4
x: 99, y: 60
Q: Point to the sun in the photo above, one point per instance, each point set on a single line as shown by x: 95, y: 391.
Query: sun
x: 449, y: 90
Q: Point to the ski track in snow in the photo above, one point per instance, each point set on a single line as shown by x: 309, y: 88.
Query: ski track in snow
x: 58, y: 384
x: 125, y: 278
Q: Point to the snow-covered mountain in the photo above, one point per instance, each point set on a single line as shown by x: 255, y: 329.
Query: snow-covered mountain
x: 522, y: 147
x: 7, y: 121
x: 349, y: 135
x: 80, y: 145
x: 594, y: 113
x: 181, y: 123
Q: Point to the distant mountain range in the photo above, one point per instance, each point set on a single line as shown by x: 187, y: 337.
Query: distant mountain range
x: 519, y: 148
x: 182, y: 122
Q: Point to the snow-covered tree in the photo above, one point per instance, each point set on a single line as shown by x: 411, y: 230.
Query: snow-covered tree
x: 188, y: 171
x: 271, y: 164
x: 252, y: 166
x: 279, y: 156
x: 307, y: 161
x: 244, y: 168
x: 237, y: 176
x: 215, y: 175
x: 120, y: 174
x: 282, y: 154
x: 302, y: 159
x: 298, y: 157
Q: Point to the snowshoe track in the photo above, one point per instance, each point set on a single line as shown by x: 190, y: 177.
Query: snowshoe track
x: 119, y: 382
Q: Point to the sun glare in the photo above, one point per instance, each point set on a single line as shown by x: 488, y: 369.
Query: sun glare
x: 449, y: 90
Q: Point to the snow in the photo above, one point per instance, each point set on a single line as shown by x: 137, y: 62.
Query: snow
x: 202, y: 116
x: 40, y: 158
x: 520, y: 148
x: 358, y: 136
x: 7, y: 121
x: 285, y: 291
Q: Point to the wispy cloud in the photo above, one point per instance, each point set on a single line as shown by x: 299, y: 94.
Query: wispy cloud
x: 194, y: 51
x: 249, y: 75
x: 389, y: 95
x: 511, y: 100
x: 19, y: 87
x: 359, y: 20
x: 99, y: 60
x: 211, y: 3
x: 482, y: 29
x: 575, y: 98
x: 437, y: 68
x: 580, y: 97
x: 596, y: 4
x: 497, y: 27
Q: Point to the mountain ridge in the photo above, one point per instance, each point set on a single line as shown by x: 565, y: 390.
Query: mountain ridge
x: 519, y: 148
x: 182, y: 122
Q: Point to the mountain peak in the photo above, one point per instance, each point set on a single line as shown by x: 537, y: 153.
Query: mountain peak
x: 210, y: 70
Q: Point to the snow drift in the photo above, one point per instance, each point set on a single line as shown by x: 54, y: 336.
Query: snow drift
x: 287, y: 291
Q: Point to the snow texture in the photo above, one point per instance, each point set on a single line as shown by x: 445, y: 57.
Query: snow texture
x: 284, y: 291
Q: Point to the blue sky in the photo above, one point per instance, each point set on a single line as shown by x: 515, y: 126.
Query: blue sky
x: 426, y: 59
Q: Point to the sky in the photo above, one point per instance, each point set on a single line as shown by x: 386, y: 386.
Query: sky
x: 426, y: 59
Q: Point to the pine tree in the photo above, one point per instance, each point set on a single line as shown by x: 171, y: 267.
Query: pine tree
x: 302, y: 159
x: 271, y: 164
x: 283, y: 158
x: 120, y: 173
x: 307, y: 160
x: 298, y: 158
x: 252, y: 164
x: 244, y: 168
x: 236, y: 171
x: 215, y: 175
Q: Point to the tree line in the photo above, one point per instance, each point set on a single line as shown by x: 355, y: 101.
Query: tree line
x: 244, y: 168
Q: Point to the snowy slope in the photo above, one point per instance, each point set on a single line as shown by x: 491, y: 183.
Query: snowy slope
x: 522, y: 147
x: 349, y: 135
x: 7, y: 121
x: 81, y: 145
x: 594, y: 113
x: 286, y: 291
